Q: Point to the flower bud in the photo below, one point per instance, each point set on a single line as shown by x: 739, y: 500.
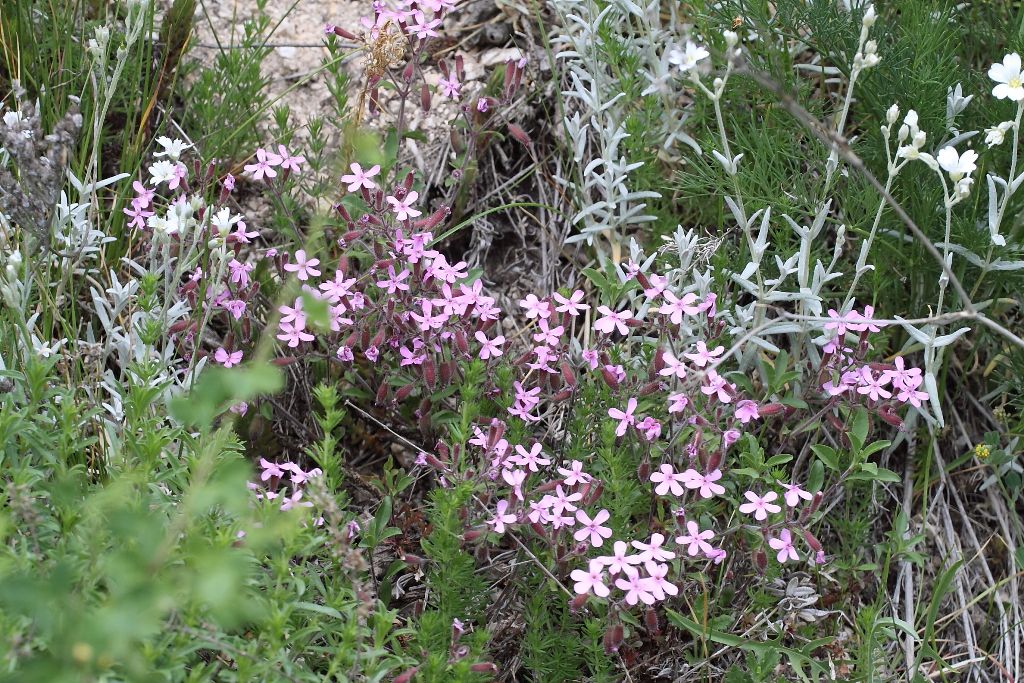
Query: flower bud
x: 484, y: 667
x: 382, y: 393
x: 771, y: 409
x: 643, y: 471
x: 893, y: 114
x: 519, y: 134
x: 813, y: 542
x: 651, y: 622
x: 609, y: 378
x: 613, y: 638
x: 283, y: 361
x: 577, y: 603
x: 472, y: 535
x: 404, y: 392
x: 731, y: 38
x: 429, y: 373
x: 567, y: 373
x: 651, y: 388
x: 562, y: 395
x: 406, y: 676
x: 869, y: 17
x: 760, y: 560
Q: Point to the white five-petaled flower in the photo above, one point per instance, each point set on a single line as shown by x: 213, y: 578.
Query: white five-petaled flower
x: 688, y: 57
x: 171, y: 148
x: 955, y: 164
x: 1008, y: 78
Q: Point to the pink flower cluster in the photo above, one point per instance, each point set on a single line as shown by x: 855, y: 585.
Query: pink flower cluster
x: 273, y: 479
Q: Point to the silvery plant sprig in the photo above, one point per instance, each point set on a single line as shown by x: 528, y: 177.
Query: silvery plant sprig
x: 608, y: 205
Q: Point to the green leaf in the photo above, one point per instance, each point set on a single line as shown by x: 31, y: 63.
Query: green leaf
x: 316, y: 311
x: 827, y: 455
x: 859, y: 428
x: 218, y: 388
x: 319, y: 609
x: 816, y: 477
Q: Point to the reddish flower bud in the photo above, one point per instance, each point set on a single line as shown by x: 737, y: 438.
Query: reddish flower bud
x: 548, y: 486
x: 538, y: 529
x: 409, y: 70
x: 577, y: 603
x: 484, y: 667
x: 642, y: 279
x: 814, y: 544
x: 714, y: 461
x: 613, y: 638
x: 414, y: 561
x: 378, y: 338
x: 429, y: 373
x: 472, y: 535
x: 434, y: 219
x: 885, y: 412
x: 562, y: 395
x: 180, y: 325
x: 644, y: 470
x: 342, y: 33
x: 461, y: 342
x: 283, y: 361
x: 406, y: 676
x: 659, y: 359
x: 425, y: 97
x: 609, y: 378
x: 404, y: 392
x: 519, y: 134
x: 460, y: 69
x: 760, y: 561
x: 651, y: 622
x: 382, y: 393
x: 594, y: 492
x: 447, y: 373
x: 651, y: 388
x: 771, y: 409
x: 567, y: 373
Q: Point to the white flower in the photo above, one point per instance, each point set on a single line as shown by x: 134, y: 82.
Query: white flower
x: 1008, y: 77
x: 892, y: 114
x: 161, y: 172
x: 996, y: 135
x: 869, y: 17
x: 172, y: 148
x: 223, y: 220
x: 689, y: 57
x: 955, y: 164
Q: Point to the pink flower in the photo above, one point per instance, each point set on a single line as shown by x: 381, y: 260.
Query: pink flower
x: 695, y: 540
x: 270, y: 470
x: 294, y: 334
x: 138, y: 215
x: 289, y: 162
x: 625, y: 418
x: 294, y: 501
x: 657, y: 583
x: 717, y: 386
x: 649, y: 428
x: 794, y: 493
x: 264, y: 166
x: 676, y: 307
x: 901, y: 376
x: 360, y: 178
x: 667, y: 481
x: 570, y: 305
x: 635, y: 587
x: 590, y: 357
x: 871, y: 386
x: 227, y: 359
x: 673, y: 366
x: 654, y: 551
x: 240, y: 272
x: 548, y: 335
x: 612, y: 320
x: 592, y: 528
x: 515, y: 479
x: 704, y: 483
x: 489, y: 348
x: 591, y: 580
x: 501, y: 517
x: 563, y: 502
x: 450, y: 87
x: 760, y: 506
x: 403, y: 207
x: 303, y: 267
x: 703, y: 355
x: 677, y: 403
x: 746, y: 411
x: 619, y: 561
x: 910, y: 394
x: 535, y: 308
x: 530, y: 459
x: 242, y: 235
x: 394, y: 282
x: 574, y: 474
x: 784, y: 544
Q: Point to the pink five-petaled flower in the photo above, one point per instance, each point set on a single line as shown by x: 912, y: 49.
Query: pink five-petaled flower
x: 535, y: 308
x: 871, y: 386
x: 695, y: 540
x: 705, y: 483
x: 717, y: 386
x: 264, y: 166
x: 515, y: 479
x: 562, y: 502
x: 703, y: 355
x: 530, y: 459
x: 784, y: 544
x: 760, y: 506
x: 676, y: 307
x: 403, y: 207
x: 303, y: 267
x: 657, y: 583
x: 654, y: 551
x: 902, y: 376
x: 294, y: 334
x: 794, y: 493
x: 625, y: 418
x: 612, y: 320
x: 747, y: 410
x: 270, y: 470
x: 360, y: 178
x: 574, y: 474
x: 592, y: 529
x: 501, y: 517
x: 288, y: 161
x: 636, y: 588
x: 489, y: 348
x: 449, y: 87
x: 667, y: 480
x: 227, y: 359
x: 619, y: 561
x: 591, y: 580
x: 673, y: 366
x: 571, y: 304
